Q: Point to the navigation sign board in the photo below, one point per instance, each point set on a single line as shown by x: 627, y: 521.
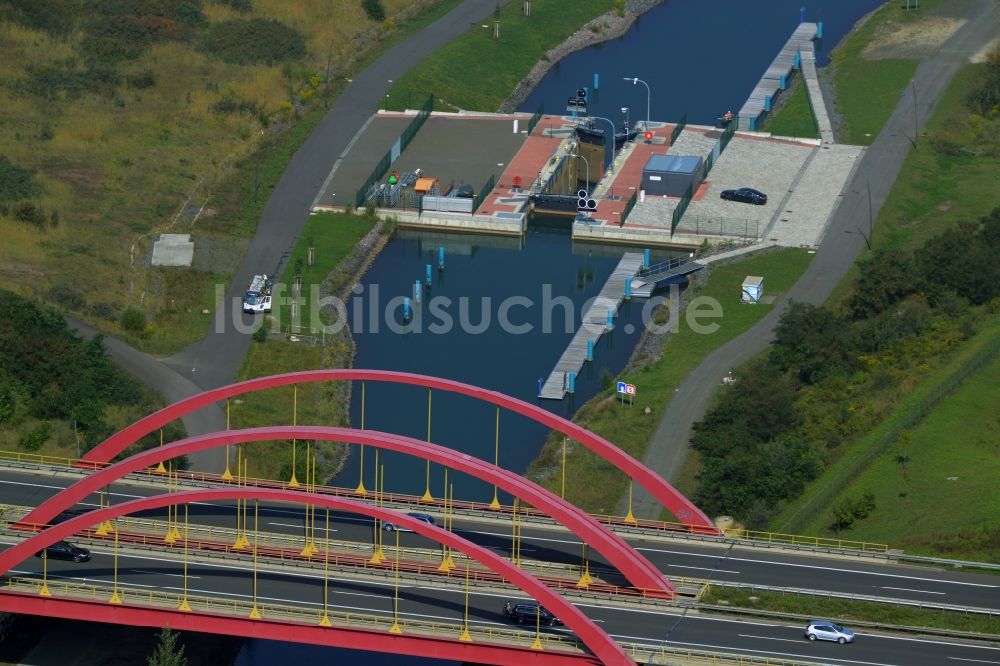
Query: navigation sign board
x: 630, y: 389
x: 622, y: 387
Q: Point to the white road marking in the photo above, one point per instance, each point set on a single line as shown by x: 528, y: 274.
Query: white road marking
x: 299, y: 526
x: 814, y: 566
x: 683, y: 566
x: 980, y: 661
x: 158, y: 573
x: 771, y: 638
x: 908, y: 589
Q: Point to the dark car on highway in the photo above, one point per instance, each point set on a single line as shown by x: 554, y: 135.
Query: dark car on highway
x: 64, y: 550
x: 745, y: 195
x: 522, y: 613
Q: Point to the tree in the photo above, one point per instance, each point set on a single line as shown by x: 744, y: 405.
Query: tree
x: 168, y: 653
x: 374, y: 9
x: 886, y: 278
x: 813, y: 342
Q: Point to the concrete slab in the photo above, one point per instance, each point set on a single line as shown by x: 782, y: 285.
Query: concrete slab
x: 454, y: 148
x: 173, y: 250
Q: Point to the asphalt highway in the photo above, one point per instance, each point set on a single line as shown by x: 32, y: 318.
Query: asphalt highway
x: 675, y: 557
x: 304, y: 589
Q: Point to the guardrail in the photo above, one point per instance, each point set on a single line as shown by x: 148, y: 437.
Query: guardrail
x: 415, y: 562
x: 271, y: 611
x: 640, y: 527
x: 968, y: 610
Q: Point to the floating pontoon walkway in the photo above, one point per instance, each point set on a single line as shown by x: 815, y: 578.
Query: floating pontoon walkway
x: 769, y: 84
x: 594, y: 325
x: 660, y: 275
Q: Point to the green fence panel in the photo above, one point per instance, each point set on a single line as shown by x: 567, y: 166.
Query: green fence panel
x: 681, y: 207
x: 481, y: 195
x: 415, y: 124
x: 628, y: 207
x: 536, y: 117
x: 678, y: 129
x: 383, y: 165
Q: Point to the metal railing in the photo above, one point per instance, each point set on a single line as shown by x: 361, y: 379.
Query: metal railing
x: 703, y: 225
x: 665, y: 527
x: 152, y: 598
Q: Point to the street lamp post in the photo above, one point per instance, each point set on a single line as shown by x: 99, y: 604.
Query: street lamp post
x: 635, y: 81
x: 587, y: 162
x: 611, y: 162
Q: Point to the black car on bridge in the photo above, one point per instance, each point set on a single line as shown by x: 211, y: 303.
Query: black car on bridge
x: 522, y: 613
x: 64, y: 550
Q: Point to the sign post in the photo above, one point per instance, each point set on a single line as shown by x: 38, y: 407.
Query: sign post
x: 625, y: 389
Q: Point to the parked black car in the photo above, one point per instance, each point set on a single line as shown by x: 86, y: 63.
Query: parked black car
x: 530, y: 613
x: 745, y: 195
x: 64, y: 550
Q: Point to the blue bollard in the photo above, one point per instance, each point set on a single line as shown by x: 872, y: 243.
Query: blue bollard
x: 753, y: 123
x: 427, y: 277
x: 783, y: 82
x: 802, y: 14
x: 416, y: 291
x: 590, y: 350
x: 596, y: 81
x: 628, y: 288
x: 767, y: 103
x: 798, y: 60
x: 611, y: 318
x: 539, y: 386
x: 571, y: 383
x: 440, y: 258
x: 406, y: 308
x: 819, y: 30
x: 645, y: 258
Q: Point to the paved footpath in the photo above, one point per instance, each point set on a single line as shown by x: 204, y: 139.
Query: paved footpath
x: 835, y: 256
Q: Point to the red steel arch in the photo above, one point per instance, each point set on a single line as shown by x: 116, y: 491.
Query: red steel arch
x: 595, y: 638
x: 639, y: 571
x: 679, y: 505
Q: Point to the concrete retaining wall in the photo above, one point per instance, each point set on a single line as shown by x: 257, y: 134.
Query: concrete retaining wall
x: 634, y: 236
x: 440, y: 221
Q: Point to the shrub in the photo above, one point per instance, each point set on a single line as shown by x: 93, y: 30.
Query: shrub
x: 253, y: 41
x: 56, y: 17
x: 67, y: 297
x: 133, y: 319
x: 375, y: 10
x: 141, y: 80
x: 35, y: 438
x: 16, y: 182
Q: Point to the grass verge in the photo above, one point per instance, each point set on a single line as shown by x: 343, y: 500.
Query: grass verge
x: 934, y: 485
x: 333, y: 236
x: 477, y: 72
x: 596, y: 485
x: 794, y: 116
x: 844, y: 610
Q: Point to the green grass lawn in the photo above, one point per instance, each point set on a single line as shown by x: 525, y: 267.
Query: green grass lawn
x: 868, y: 90
x: 597, y: 486
x: 477, y: 72
x: 332, y: 235
x: 931, y: 501
x: 794, y: 116
x: 845, y: 611
x: 939, y: 478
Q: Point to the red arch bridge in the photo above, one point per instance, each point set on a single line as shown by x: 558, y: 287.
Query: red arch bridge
x: 260, y: 580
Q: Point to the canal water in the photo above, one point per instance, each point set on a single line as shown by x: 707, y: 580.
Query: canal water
x: 699, y: 58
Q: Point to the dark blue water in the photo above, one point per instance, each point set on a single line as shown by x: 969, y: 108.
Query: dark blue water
x: 699, y: 58
x: 478, y: 268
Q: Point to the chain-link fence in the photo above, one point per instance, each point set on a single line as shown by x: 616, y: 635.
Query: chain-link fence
x: 704, y: 225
